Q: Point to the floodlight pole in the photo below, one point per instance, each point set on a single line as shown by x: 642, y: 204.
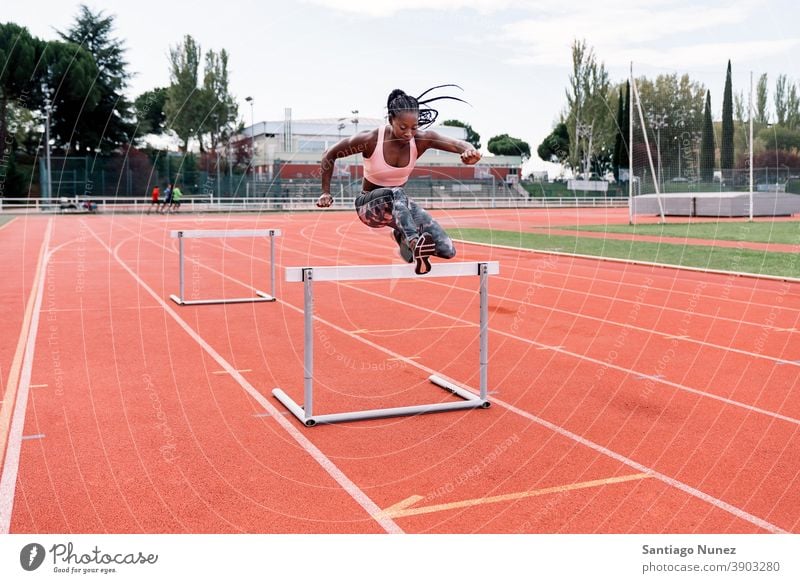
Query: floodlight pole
x: 249, y: 99
x: 630, y: 148
x: 48, y: 174
x: 751, y: 145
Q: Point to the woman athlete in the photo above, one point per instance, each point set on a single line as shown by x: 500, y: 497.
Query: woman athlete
x: 390, y: 153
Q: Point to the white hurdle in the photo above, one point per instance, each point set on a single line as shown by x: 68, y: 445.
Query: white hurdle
x: 260, y: 295
x: 305, y: 412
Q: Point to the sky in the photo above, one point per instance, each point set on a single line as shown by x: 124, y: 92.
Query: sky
x: 326, y: 58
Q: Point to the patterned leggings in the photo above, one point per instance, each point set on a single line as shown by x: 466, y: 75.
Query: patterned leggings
x: 391, y: 207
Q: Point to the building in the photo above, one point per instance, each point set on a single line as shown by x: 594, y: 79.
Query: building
x: 292, y: 150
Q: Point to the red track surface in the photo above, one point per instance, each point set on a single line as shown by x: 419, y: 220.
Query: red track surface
x: 625, y: 398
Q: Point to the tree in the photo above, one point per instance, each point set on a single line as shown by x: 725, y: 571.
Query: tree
x: 193, y: 111
x: 726, y: 154
x: 589, y: 98
x: 620, y: 156
x: 220, y: 109
x: 780, y: 138
x: 108, y: 125
x: 761, y: 114
x: 505, y: 145
x: 473, y: 137
x: 69, y: 75
x: 781, y: 99
x: 738, y: 107
x: 183, y: 104
x: 707, y: 147
x: 149, y: 110
x: 678, y: 103
x: 793, y: 109
x: 555, y: 147
x: 18, y: 57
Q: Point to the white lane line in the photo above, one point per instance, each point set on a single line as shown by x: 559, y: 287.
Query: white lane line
x: 8, y: 481
x: 332, y: 469
x: 738, y: 512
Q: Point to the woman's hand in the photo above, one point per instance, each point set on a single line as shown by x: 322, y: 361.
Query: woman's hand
x: 471, y: 156
x: 325, y: 200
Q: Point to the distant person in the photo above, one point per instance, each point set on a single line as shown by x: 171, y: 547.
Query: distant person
x: 154, y: 199
x: 390, y: 153
x: 167, y: 199
x: 177, y: 195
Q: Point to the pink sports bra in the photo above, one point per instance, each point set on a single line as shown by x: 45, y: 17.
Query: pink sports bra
x: 378, y: 172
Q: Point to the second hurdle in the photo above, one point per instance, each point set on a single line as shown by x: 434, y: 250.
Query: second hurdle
x: 201, y: 234
x: 308, y: 275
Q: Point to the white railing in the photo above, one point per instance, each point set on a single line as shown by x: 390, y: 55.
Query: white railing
x: 193, y: 204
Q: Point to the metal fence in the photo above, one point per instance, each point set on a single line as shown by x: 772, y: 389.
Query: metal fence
x: 210, y: 204
x: 765, y: 179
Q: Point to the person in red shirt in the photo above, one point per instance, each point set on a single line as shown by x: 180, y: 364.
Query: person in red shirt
x: 154, y: 201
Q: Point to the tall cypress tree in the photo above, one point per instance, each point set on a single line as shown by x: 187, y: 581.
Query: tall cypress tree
x: 109, y: 125
x: 707, y: 146
x: 726, y: 153
x: 618, y: 141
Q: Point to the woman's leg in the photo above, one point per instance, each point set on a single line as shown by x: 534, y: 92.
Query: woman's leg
x: 387, y: 207
x: 390, y: 207
x: 426, y: 224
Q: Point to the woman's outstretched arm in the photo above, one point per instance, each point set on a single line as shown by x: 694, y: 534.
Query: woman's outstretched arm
x: 431, y: 139
x: 344, y: 148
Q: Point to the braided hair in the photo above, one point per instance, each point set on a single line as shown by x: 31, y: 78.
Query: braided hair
x: 399, y: 101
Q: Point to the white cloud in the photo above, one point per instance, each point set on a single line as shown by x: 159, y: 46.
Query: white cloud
x: 384, y: 8
x: 617, y: 30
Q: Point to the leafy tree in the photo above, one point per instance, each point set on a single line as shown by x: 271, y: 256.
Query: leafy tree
x: 589, y: 96
x: 473, y: 137
x: 761, y: 112
x: 679, y: 101
x: 18, y: 56
x: 707, y: 148
x: 108, y: 125
x: 793, y: 109
x: 781, y: 99
x: 183, y: 105
x: 738, y: 107
x: 555, y: 147
x: 505, y: 145
x: 69, y: 75
x: 780, y: 138
x: 220, y: 107
x: 25, y: 128
x: 193, y: 111
x: 149, y: 110
x: 726, y: 155
x: 620, y: 156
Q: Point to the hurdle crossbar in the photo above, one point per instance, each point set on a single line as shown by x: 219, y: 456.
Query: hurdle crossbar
x: 305, y: 413
x: 218, y: 234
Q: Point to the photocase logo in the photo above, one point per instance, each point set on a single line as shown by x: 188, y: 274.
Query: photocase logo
x: 31, y: 556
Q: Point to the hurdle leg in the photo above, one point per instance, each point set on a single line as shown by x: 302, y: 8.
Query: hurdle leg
x: 484, y: 327
x: 308, y: 349
x: 271, y: 295
x: 304, y: 413
x: 179, y: 299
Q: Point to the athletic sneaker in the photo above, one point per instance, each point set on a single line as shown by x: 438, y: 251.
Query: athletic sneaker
x: 423, y: 247
x: 404, y: 250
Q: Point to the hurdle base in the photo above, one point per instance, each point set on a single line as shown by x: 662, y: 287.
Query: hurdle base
x: 470, y: 401
x: 262, y: 297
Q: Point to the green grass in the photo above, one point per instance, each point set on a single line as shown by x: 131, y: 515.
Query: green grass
x: 6, y: 218
x: 787, y: 232
x: 685, y: 255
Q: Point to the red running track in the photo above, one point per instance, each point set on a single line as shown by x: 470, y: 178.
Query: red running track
x: 626, y: 399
